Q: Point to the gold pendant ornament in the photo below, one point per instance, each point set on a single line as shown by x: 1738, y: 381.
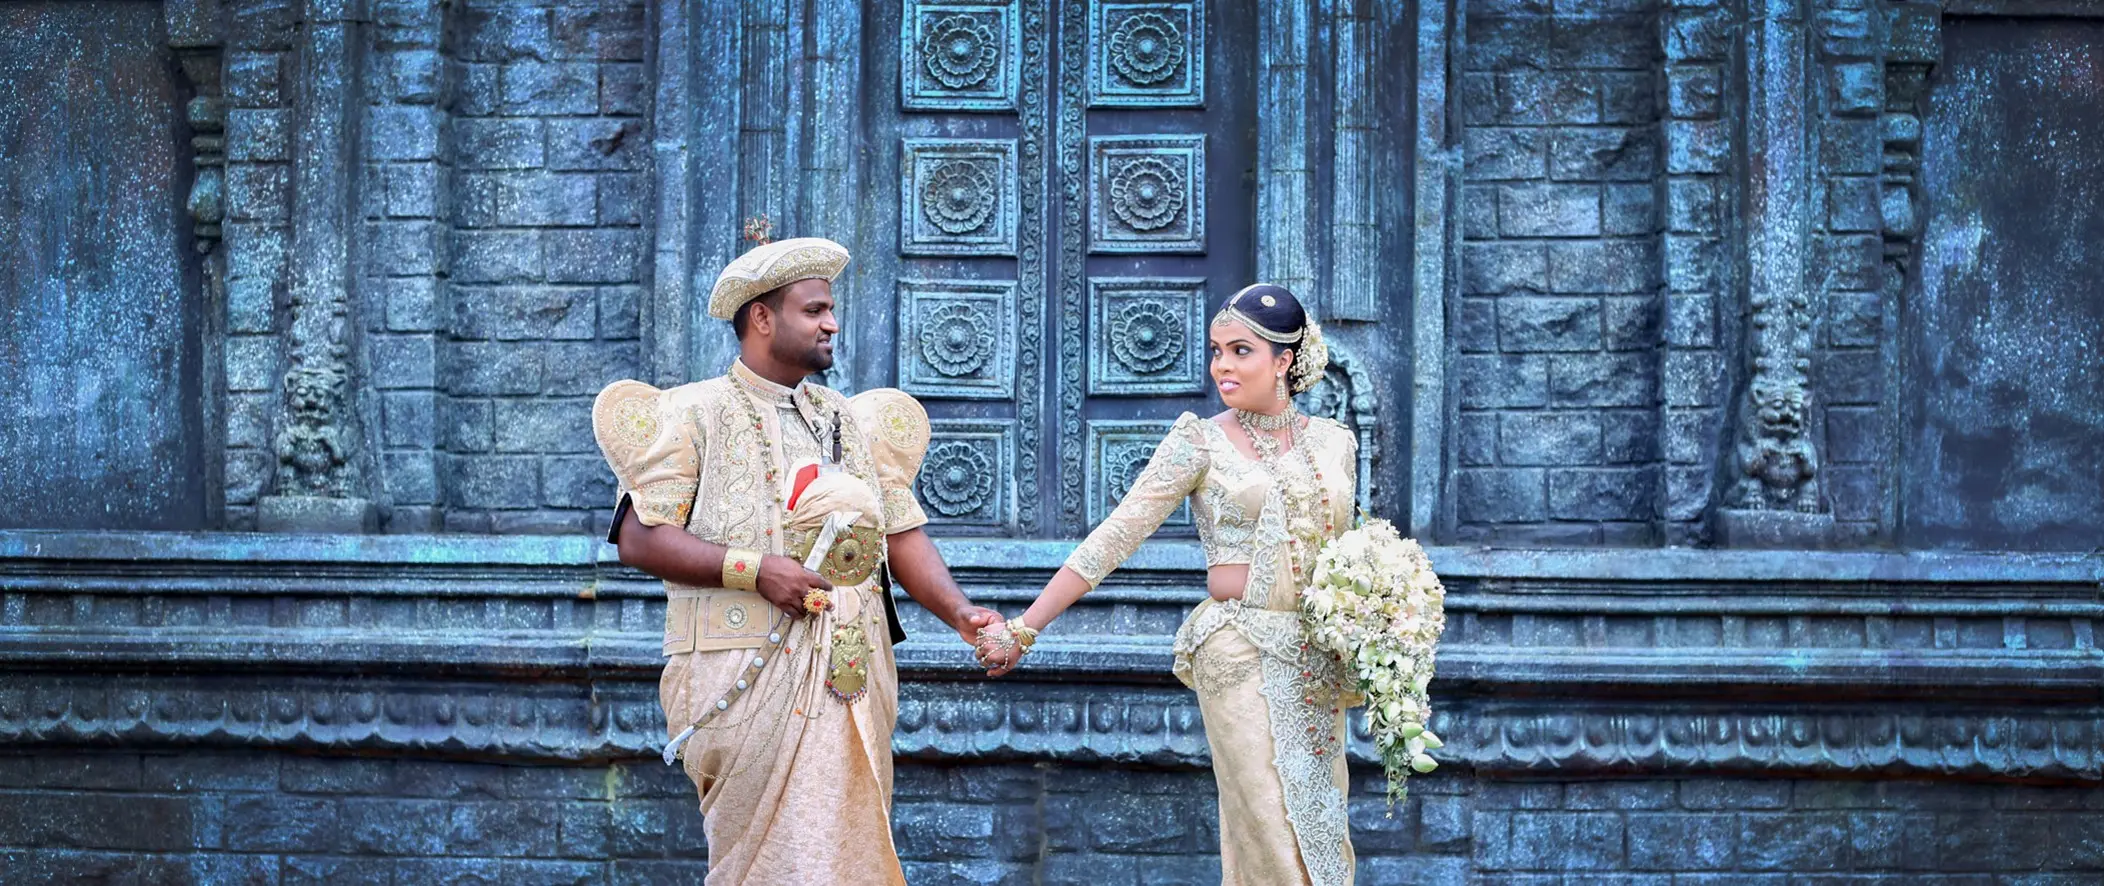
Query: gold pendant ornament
x: 848, y: 678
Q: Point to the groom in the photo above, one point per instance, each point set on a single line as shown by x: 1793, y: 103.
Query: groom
x: 780, y: 686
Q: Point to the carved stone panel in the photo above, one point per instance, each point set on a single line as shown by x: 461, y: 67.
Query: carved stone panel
x: 1147, y: 54
x: 957, y: 197
x: 1346, y: 393
x: 959, y: 56
x: 1118, y: 452
x: 1149, y: 335
x: 957, y: 338
x: 967, y: 477
x: 1147, y: 193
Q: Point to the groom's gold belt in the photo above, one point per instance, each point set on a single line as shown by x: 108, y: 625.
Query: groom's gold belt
x: 711, y: 619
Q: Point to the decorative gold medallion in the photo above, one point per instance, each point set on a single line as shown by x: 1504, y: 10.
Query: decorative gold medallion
x: 848, y: 678
x: 636, y: 420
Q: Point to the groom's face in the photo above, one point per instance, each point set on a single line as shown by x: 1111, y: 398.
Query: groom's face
x: 804, y: 327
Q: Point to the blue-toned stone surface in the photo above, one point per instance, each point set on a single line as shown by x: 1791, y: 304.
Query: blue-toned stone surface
x: 514, y: 203
x: 101, y: 322
x: 2006, y: 404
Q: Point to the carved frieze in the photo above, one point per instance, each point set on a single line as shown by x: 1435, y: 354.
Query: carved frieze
x: 957, y: 338
x: 959, y: 56
x: 958, y: 197
x: 1147, y: 54
x: 1035, y: 298
x: 1599, y: 662
x: 1073, y: 165
x: 1026, y: 717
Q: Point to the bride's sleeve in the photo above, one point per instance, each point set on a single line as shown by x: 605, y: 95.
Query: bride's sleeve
x: 1177, y: 468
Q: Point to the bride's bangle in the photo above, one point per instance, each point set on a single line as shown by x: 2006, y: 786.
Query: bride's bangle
x: 1024, y: 634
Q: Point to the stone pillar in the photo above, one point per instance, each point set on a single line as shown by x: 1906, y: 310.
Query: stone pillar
x: 196, y: 35
x: 1772, y: 492
x: 1285, y: 170
x: 318, y: 472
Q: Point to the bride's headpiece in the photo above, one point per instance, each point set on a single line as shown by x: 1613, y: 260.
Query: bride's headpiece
x: 1311, y: 357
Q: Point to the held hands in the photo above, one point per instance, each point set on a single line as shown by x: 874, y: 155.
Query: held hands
x: 1001, y: 645
x: 786, y: 583
x: 969, y: 621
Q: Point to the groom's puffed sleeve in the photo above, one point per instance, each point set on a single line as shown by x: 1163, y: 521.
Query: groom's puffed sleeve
x: 897, y: 429
x: 648, y: 440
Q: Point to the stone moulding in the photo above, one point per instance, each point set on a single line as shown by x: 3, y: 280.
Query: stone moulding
x: 544, y: 650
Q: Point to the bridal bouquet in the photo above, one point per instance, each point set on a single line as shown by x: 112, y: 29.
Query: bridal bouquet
x: 1375, y: 603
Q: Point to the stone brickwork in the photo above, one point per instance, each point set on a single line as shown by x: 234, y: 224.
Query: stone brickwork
x: 545, y: 243
x: 500, y: 269
x: 1860, y: 155
x: 268, y: 818
x: 1559, y: 320
x: 261, y: 72
x: 1698, y: 208
x: 407, y: 185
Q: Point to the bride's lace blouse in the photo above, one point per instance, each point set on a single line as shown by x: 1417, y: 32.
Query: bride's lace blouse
x: 1248, y: 511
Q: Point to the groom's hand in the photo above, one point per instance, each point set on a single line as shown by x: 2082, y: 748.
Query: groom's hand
x: 969, y: 619
x: 785, y: 582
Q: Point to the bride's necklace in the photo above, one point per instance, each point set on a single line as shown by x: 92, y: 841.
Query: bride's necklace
x: 1284, y: 419
x: 1257, y: 426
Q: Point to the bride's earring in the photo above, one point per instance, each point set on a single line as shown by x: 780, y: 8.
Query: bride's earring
x: 1281, y: 388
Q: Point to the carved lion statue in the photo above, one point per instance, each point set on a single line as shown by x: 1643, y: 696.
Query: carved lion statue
x: 1777, y: 460
x: 310, y: 448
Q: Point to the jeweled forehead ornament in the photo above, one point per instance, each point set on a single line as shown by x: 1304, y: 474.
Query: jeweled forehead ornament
x: 1265, y: 293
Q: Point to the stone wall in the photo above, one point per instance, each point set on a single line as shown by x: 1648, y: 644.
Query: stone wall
x: 1559, y: 325
x: 1654, y: 254
x: 255, y: 708
x: 264, y: 818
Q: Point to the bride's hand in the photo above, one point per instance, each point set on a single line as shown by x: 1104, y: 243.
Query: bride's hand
x: 996, y: 649
x: 999, y: 659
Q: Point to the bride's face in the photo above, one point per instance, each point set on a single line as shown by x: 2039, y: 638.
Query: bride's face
x: 1245, y: 367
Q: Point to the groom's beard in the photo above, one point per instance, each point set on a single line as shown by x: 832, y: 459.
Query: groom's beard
x: 808, y: 355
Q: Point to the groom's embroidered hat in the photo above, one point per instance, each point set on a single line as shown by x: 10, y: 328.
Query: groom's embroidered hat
x: 771, y: 266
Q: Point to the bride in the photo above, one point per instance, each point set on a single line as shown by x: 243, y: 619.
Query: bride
x: 1267, y: 487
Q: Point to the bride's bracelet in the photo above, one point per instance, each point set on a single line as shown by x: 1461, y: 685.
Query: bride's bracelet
x: 1025, y: 635
x: 1013, y: 634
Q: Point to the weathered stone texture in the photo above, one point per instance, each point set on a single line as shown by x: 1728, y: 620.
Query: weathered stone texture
x: 265, y: 817
x: 1560, y: 268
x: 505, y: 216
